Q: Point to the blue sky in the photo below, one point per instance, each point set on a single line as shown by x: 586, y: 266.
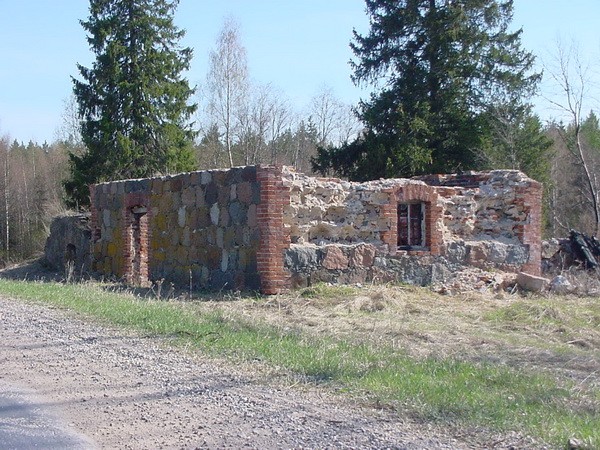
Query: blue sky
x: 299, y: 46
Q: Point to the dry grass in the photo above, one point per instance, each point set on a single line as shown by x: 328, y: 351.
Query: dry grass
x: 559, y: 335
x: 503, y: 362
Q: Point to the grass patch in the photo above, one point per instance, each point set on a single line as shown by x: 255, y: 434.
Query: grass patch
x: 442, y: 390
x: 325, y: 291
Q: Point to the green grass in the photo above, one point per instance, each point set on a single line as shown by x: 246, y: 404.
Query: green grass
x: 445, y: 391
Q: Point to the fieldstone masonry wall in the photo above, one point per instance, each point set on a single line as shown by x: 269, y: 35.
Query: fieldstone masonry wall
x: 271, y: 228
x: 196, y: 229
x: 69, y: 244
x: 349, y: 231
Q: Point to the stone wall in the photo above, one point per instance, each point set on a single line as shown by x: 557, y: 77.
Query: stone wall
x: 348, y: 231
x: 196, y: 229
x: 69, y: 243
x: 271, y: 228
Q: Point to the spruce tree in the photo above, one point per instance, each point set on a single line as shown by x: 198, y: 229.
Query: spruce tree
x: 133, y: 101
x: 436, y: 66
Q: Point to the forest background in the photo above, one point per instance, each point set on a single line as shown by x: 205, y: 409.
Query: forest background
x: 264, y: 126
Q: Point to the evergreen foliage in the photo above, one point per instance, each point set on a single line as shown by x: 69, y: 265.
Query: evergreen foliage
x: 133, y: 101
x: 517, y: 140
x: 437, y: 66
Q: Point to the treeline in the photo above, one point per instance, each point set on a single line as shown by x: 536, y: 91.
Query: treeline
x: 31, y: 193
x: 31, y: 177
x: 269, y: 131
x: 450, y: 93
x: 573, y: 190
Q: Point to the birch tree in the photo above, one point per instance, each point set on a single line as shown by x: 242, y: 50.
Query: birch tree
x: 571, y: 77
x: 227, y: 83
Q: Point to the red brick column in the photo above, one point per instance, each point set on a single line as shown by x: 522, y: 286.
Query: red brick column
x: 389, y: 211
x: 95, y: 227
x: 274, y: 240
x: 530, y: 233
x: 94, y: 224
x: 130, y: 274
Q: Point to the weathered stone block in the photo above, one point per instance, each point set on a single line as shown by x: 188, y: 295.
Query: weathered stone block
x: 215, y: 212
x: 224, y: 260
x: 248, y: 173
x: 195, y: 178
x: 191, y: 217
x: 251, y: 221
x: 174, y: 236
x: 219, y: 177
x: 186, y: 237
x: 111, y: 250
x: 300, y: 258
x: 200, y: 197
x: 222, y: 280
x: 224, y: 217
x: 335, y: 259
x: 237, y: 213
x: 188, y: 196
x: 531, y: 282
x: 211, y: 194
x: 214, y: 256
x: 229, y: 238
x: 175, y: 200
x: 211, y: 235
x: 244, y: 192
x: 255, y: 193
x: 177, y: 184
x: 362, y: 256
x: 181, y: 216
x: 203, y: 217
x: 205, y: 177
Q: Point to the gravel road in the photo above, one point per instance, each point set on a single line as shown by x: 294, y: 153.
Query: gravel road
x: 122, y: 390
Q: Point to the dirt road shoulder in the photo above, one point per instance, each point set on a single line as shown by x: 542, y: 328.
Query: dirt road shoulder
x: 128, y: 391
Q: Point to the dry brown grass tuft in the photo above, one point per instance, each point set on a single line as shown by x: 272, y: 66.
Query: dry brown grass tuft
x: 559, y: 335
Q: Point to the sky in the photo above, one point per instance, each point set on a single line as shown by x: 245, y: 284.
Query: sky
x: 300, y: 47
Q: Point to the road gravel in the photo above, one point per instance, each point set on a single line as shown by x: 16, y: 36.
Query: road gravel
x: 112, y: 388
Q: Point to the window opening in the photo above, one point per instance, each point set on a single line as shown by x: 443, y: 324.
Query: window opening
x: 411, y: 225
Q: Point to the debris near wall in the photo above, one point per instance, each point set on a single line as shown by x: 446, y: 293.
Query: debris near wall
x: 572, y: 264
x: 577, y: 251
x: 586, y: 248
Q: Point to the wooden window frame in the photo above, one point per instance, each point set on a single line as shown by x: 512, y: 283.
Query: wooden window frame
x: 410, y: 243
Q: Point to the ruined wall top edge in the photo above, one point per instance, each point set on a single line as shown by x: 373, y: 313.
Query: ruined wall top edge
x: 220, y: 176
x: 469, y: 179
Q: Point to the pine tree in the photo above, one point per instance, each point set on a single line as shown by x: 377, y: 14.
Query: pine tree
x: 133, y: 102
x: 517, y: 140
x: 436, y: 66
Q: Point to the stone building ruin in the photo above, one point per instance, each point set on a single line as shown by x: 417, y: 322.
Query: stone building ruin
x: 269, y: 228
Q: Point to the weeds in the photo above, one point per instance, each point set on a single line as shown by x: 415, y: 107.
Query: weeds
x: 448, y: 390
